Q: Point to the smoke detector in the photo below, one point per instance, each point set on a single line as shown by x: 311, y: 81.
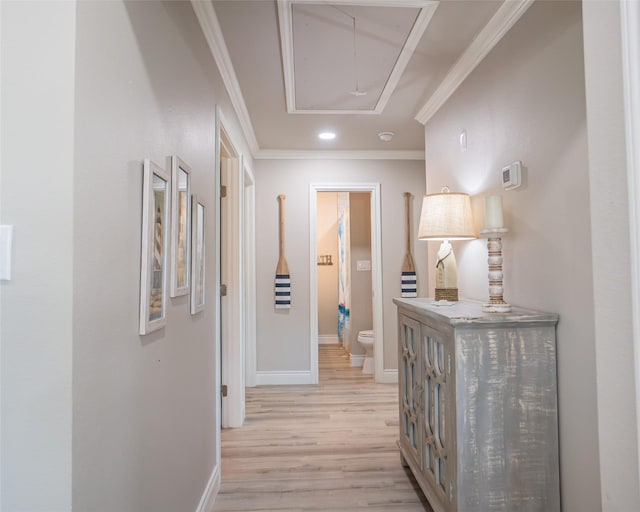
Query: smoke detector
x: 385, y: 136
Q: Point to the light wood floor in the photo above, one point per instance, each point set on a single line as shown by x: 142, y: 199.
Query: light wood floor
x: 330, y: 447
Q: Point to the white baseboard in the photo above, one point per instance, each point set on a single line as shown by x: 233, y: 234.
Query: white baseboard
x: 210, y: 492
x: 283, y: 378
x: 390, y: 377
x: 328, y: 339
x: 357, y: 360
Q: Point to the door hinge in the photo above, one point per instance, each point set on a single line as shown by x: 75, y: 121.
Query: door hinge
x: 223, y: 290
x: 223, y: 191
x: 223, y: 390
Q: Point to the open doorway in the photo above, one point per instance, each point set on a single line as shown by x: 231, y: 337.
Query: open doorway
x: 371, y: 193
x: 233, y: 261
x: 345, y: 300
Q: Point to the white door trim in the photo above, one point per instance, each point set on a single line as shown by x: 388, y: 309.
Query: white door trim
x: 232, y: 359
x: 630, y: 29
x: 250, y: 276
x: 376, y: 271
x: 216, y: 330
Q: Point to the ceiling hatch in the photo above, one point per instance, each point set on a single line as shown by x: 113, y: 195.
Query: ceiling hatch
x: 347, y: 57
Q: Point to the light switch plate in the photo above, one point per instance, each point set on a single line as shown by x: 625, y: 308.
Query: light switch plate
x: 6, y: 237
x: 363, y: 265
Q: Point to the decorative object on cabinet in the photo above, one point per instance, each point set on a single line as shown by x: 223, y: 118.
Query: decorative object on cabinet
x: 156, y: 192
x: 446, y: 216
x: 180, y: 225
x: 478, y: 406
x: 409, y: 282
x: 198, y: 240
x: 283, y: 279
x: 494, y: 230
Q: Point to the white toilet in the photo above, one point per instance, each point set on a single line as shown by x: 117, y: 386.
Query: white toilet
x: 366, y: 339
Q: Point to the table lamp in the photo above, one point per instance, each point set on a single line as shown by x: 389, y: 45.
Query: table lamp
x: 446, y: 216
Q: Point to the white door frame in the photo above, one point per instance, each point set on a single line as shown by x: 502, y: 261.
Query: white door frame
x: 249, y: 223
x: 376, y: 270
x: 217, y: 314
x: 232, y: 275
x: 630, y: 29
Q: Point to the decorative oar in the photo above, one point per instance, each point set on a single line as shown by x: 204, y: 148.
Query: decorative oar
x: 409, y: 280
x: 283, y: 280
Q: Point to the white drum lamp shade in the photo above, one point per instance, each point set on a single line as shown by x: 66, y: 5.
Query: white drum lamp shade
x: 446, y: 216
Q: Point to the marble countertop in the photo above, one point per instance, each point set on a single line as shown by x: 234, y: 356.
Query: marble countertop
x: 465, y: 312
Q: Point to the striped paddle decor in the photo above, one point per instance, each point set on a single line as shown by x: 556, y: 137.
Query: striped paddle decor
x: 409, y: 282
x: 283, y: 280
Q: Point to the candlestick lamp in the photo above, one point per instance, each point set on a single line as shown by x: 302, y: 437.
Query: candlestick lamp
x: 446, y: 216
x: 494, y: 230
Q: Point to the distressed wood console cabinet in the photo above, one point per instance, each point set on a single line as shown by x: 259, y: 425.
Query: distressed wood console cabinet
x: 478, y: 406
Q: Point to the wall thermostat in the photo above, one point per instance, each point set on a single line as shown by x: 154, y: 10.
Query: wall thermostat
x: 512, y: 175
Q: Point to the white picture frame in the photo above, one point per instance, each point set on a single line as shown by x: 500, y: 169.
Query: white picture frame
x: 180, y: 226
x: 198, y: 260
x: 156, y: 195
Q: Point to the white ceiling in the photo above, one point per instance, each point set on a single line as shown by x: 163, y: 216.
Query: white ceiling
x: 289, y: 67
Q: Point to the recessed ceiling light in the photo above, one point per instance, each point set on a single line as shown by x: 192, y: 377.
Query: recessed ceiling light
x: 327, y: 135
x: 385, y: 136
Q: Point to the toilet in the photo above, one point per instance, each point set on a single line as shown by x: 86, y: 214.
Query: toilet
x: 366, y: 339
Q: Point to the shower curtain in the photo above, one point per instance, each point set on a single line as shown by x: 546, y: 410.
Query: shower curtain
x: 344, y: 269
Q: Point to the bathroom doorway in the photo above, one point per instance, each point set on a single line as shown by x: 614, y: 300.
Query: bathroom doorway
x: 329, y: 324
x: 345, y: 305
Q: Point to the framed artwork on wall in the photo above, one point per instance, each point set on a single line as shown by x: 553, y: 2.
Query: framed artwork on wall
x: 197, y: 254
x: 180, y: 225
x: 156, y: 190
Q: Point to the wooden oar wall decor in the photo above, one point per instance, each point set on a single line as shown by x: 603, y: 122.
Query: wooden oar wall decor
x: 409, y: 280
x: 283, y: 280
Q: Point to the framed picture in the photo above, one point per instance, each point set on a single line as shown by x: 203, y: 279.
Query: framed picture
x: 180, y: 226
x: 197, y: 254
x: 156, y: 190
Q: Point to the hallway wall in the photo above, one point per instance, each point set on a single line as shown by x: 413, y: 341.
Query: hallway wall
x: 283, y: 335
x: 145, y: 419
x: 90, y: 90
x: 38, y: 60
x: 526, y: 101
x: 617, y: 367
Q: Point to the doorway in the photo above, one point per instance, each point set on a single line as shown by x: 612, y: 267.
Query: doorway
x: 373, y: 189
x: 345, y: 305
x: 236, y: 260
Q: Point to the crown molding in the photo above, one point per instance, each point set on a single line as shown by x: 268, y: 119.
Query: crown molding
x: 213, y: 34
x: 504, y: 18
x: 285, y: 24
x: 286, y: 154
x: 285, y: 19
x: 416, y: 4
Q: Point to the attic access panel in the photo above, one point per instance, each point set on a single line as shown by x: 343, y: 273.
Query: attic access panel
x: 331, y: 68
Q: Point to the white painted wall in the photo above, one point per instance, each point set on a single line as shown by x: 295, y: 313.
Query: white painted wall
x: 89, y: 91
x: 328, y: 274
x: 283, y: 335
x: 526, y: 102
x: 361, y: 296
x: 616, y: 394
x: 144, y: 406
x: 38, y: 59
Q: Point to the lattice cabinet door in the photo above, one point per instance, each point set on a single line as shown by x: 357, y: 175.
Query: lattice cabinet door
x: 410, y: 388
x: 437, y: 414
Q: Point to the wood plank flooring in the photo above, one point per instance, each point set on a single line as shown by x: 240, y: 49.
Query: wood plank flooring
x: 330, y: 447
